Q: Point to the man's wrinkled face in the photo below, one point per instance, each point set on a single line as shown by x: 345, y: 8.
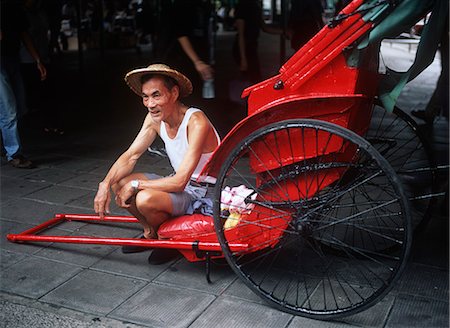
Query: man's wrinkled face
x: 158, y: 99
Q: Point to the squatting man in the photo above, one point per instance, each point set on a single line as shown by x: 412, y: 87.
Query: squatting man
x: 189, y: 138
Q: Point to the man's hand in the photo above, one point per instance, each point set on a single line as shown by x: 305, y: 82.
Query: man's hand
x: 42, y: 70
x: 205, y: 71
x: 124, y: 196
x: 102, y: 200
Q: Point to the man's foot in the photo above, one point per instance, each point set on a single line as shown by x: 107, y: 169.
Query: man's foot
x: 127, y: 249
x: 21, y: 162
x: 162, y: 255
x: 421, y: 114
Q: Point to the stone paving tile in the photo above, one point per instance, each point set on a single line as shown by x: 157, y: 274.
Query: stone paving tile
x: 34, y: 277
x: 240, y: 290
x: 431, y: 247
x: 58, y: 194
x: 15, y: 187
x: 86, y: 254
x: 109, y: 229
x: 9, y: 258
x: 86, y: 201
x: 103, y: 169
x: 375, y: 316
x: 232, y: 312
x: 85, y: 181
x: 5, y: 200
x: 192, y: 275
x: 7, y: 227
x: 311, y: 323
x: 52, y: 160
x: 50, y: 175
x: 132, y: 265
x: 87, y: 148
x: 413, y: 311
x: 24, y: 312
x: 425, y: 281
x: 163, y: 306
x: 94, y: 292
x: 7, y: 170
x: 18, y: 315
x: 34, y: 212
x: 79, y: 164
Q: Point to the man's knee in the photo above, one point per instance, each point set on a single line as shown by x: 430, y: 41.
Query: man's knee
x: 149, y: 200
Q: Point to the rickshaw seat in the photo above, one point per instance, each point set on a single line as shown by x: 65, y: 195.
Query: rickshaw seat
x: 186, y: 225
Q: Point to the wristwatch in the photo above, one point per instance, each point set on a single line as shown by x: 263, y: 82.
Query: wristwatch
x: 135, y: 185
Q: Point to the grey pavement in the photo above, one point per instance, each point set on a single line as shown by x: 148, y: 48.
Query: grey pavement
x: 68, y: 285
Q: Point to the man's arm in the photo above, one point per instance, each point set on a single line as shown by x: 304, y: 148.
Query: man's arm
x: 199, y: 129
x: 240, y: 26
x: 124, y: 165
x: 29, y: 45
x: 202, y: 68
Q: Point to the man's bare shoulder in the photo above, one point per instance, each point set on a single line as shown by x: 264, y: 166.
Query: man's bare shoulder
x: 151, y: 124
x: 198, y: 118
x: 204, y: 130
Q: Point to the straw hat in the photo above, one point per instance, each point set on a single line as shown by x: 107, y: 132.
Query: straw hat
x: 133, y: 78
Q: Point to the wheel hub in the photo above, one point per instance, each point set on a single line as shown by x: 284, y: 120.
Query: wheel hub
x: 302, y: 224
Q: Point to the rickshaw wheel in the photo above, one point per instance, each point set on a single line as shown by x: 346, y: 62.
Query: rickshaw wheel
x: 324, y: 207
x: 398, y: 138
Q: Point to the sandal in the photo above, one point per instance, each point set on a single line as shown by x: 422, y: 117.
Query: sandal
x: 128, y: 249
x: 21, y: 162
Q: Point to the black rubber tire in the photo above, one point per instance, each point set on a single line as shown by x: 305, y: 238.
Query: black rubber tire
x: 400, y: 140
x: 327, y: 260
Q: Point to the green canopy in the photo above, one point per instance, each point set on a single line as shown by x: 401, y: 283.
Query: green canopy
x: 402, y: 17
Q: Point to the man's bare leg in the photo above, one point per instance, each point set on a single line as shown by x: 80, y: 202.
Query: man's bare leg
x: 149, y: 232
x: 155, y: 206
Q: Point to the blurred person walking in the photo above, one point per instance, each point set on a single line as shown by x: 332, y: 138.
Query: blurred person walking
x: 305, y: 20
x: 184, y: 39
x: 249, y: 22
x: 439, y: 102
x: 13, y: 27
x: 39, y: 94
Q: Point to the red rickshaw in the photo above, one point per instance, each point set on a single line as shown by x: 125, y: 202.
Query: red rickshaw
x: 324, y: 228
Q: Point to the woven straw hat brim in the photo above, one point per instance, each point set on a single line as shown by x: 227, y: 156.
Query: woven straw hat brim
x: 133, y: 78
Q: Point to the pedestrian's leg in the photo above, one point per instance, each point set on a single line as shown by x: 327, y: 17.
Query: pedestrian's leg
x: 18, y: 87
x: 8, y: 117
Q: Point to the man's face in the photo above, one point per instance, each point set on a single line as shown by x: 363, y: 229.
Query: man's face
x: 158, y: 99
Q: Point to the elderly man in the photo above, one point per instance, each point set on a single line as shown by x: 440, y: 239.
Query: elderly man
x: 189, y: 139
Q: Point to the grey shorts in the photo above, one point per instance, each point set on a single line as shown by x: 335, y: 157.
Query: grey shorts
x: 190, y: 200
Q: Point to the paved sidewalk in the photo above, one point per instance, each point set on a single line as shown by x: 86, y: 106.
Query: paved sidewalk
x: 68, y: 285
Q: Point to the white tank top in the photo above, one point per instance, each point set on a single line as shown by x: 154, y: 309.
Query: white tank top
x: 177, y: 147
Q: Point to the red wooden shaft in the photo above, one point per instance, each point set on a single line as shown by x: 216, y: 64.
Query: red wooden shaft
x: 57, y: 219
x: 91, y: 217
x: 154, y: 243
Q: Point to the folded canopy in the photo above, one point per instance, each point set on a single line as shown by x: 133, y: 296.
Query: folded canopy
x: 394, y: 17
